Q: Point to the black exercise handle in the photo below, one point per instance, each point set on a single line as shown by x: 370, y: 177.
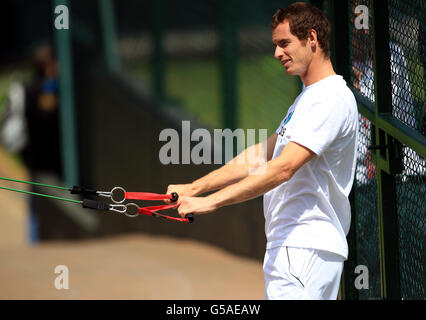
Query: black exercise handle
x: 97, y: 205
x: 190, y: 217
x: 175, y: 197
x: 80, y: 190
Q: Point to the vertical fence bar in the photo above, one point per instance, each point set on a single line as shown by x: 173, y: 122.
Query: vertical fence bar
x: 158, y: 19
x: 388, y: 236
x: 387, y: 209
x: 66, y: 91
x: 107, y: 15
x: 339, y: 42
x: 340, y: 55
x: 228, y: 60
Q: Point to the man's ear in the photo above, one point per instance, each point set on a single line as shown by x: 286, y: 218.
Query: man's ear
x: 312, y: 38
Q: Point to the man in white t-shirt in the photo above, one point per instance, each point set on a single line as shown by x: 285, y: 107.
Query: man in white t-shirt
x: 309, y: 170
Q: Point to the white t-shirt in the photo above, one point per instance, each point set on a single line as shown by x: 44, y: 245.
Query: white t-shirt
x: 312, y: 209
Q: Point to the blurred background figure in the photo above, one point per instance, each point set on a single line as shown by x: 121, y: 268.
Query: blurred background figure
x: 30, y: 123
x: 43, y: 152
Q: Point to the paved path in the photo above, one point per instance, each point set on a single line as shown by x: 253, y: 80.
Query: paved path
x: 129, y: 267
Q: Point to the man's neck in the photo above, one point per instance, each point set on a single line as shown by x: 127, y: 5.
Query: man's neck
x: 320, y: 68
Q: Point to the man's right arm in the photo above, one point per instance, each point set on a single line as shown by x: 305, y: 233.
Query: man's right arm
x: 232, y: 172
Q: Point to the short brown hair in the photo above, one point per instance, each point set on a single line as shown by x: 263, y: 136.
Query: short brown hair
x: 303, y: 17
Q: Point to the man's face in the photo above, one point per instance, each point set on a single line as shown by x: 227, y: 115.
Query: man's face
x: 295, y: 55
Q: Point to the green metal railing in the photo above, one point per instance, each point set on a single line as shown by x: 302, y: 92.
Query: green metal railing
x: 384, y: 65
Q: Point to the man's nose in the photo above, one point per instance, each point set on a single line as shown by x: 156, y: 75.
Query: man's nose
x: 278, y: 52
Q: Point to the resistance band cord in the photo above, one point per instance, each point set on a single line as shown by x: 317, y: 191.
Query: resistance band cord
x: 117, y: 195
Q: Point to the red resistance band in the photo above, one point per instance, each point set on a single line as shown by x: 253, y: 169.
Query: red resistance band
x: 151, y: 211
x: 149, y: 196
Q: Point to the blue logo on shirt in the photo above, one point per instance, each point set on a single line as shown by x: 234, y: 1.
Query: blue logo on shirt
x: 287, y: 119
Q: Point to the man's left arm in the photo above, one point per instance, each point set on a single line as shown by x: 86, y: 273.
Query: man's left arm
x: 277, y: 171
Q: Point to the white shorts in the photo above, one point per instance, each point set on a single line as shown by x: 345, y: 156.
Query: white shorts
x: 301, y: 274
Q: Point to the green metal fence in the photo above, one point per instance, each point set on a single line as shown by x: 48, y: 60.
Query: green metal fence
x: 385, y: 66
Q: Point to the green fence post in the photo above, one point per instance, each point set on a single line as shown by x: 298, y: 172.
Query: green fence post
x: 66, y: 91
x: 339, y: 44
x: 158, y: 20
x: 228, y: 61
x: 337, y: 12
x: 111, y: 54
x: 387, y: 209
